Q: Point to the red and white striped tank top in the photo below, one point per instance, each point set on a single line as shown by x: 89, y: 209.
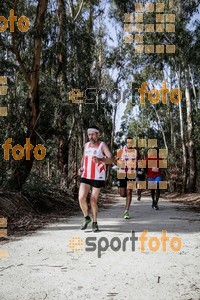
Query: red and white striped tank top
x: 92, y: 170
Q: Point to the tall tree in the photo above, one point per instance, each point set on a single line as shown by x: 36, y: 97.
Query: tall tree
x: 23, y: 170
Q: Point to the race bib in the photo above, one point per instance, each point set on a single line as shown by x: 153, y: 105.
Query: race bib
x: 140, y: 172
x: 155, y: 169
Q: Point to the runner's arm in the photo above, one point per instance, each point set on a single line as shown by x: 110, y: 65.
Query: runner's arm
x: 80, y: 170
x: 82, y: 159
x: 118, y: 155
x: 109, y: 159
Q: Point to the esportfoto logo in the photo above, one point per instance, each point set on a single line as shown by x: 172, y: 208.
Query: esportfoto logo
x: 116, y: 244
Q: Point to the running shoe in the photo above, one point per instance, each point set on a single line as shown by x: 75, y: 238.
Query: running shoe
x: 126, y: 215
x: 85, y: 223
x: 95, y: 227
x: 138, y: 197
x: 155, y: 205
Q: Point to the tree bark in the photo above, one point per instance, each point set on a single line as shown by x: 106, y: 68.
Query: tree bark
x: 184, y: 156
x: 62, y: 154
x: 173, y: 135
x: 161, y: 128
x: 191, y: 152
x: 194, y: 90
x: 23, y: 169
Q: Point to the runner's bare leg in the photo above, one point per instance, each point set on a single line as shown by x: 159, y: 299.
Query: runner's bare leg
x: 93, y: 201
x: 153, y: 195
x: 83, y: 193
x: 128, y: 199
x: 122, y: 192
x: 157, y: 195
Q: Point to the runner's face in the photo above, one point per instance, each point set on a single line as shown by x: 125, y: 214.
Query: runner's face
x: 129, y: 143
x: 93, y: 137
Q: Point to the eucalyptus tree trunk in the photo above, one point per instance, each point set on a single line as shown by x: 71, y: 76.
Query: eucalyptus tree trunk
x: 173, y: 134
x: 192, y: 160
x: 194, y: 89
x: 62, y: 153
x: 184, y: 154
x: 23, y: 169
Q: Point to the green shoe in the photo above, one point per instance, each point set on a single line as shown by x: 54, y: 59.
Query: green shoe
x: 85, y: 223
x: 126, y: 215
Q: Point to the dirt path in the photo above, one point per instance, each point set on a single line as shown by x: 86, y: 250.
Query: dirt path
x: 43, y: 266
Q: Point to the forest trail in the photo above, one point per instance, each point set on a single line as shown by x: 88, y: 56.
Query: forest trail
x: 43, y: 266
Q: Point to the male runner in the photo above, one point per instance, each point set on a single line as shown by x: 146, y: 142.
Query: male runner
x: 93, y: 174
x: 127, y: 157
x: 140, y: 177
x: 154, y: 175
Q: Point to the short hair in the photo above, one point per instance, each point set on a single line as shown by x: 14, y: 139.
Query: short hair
x: 129, y: 138
x: 95, y: 127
